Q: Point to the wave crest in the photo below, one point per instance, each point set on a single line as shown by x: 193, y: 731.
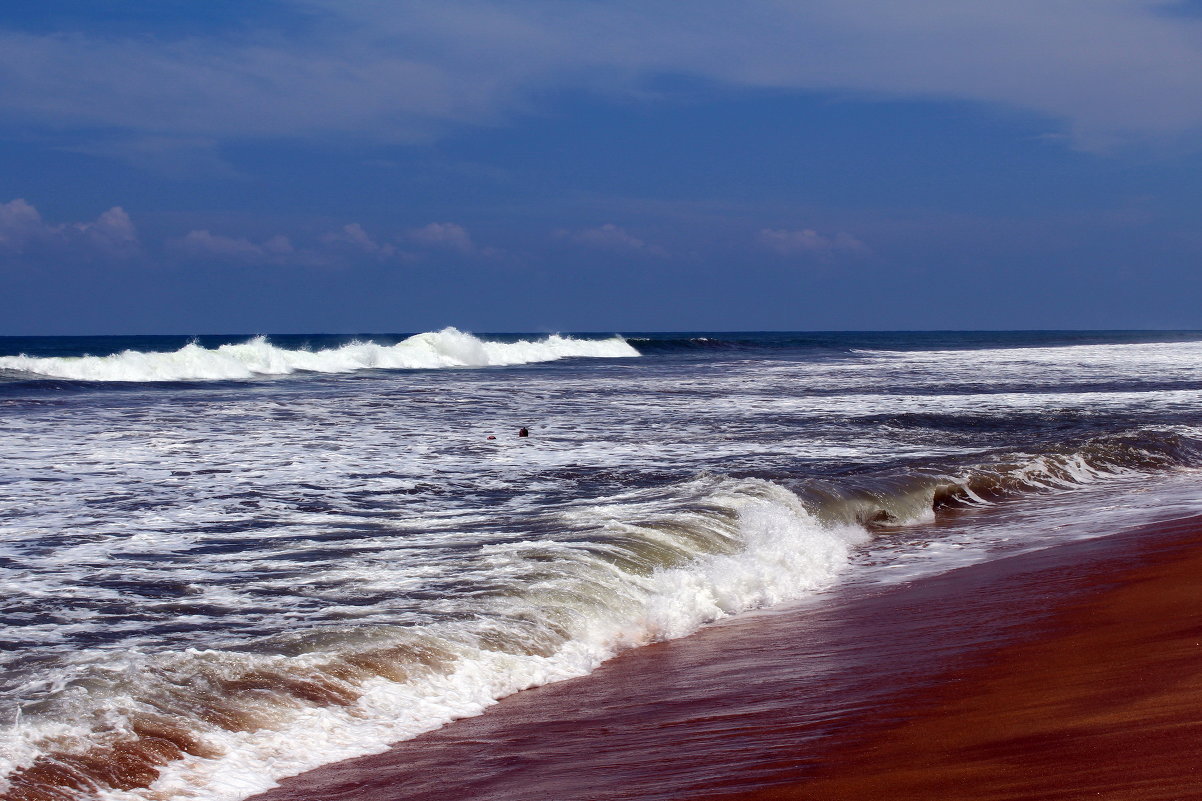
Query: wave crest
x: 633, y: 569
x: 647, y: 565
x: 258, y: 357
x: 915, y: 496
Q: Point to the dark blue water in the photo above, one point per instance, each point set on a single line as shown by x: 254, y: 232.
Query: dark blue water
x: 653, y: 342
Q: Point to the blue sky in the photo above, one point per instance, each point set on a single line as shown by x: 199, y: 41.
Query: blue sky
x: 362, y: 165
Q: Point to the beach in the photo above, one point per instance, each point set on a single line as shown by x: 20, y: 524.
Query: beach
x: 1070, y: 672
x: 718, y: 565
x: 600, y: 401
x: 1104, y: 701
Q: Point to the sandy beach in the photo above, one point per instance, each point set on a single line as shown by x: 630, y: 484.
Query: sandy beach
x: 1069, y: 672
x: 1106, y: 702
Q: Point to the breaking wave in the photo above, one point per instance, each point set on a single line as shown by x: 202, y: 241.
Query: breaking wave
x: 223, y: 724
x: 647, y: 565
x: 915, y: 496
x: 258, y: 357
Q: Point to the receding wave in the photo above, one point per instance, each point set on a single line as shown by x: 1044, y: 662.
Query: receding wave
x: 258, y: 357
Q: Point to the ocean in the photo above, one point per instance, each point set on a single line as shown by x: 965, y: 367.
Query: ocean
x: 228, y: 560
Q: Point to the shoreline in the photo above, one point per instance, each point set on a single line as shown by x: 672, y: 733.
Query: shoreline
x: 1105, y: 702
x: 785, y: 704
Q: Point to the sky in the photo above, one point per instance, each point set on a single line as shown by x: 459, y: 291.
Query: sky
x: 343, y: 166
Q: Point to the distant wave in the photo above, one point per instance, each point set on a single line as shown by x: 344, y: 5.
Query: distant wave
x: 258, y: 357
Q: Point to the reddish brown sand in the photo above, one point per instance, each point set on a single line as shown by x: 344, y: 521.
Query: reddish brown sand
x: 1074, y: 672
x: 1107, y: 703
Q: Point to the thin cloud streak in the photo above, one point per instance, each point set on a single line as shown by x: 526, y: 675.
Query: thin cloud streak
x: 355, y: 238
x: 203, y: 244
x: 449, y: 236
x: 612, y: 238
x: 808, y: 242
x: 1109, y: 71
x: 346, y: 246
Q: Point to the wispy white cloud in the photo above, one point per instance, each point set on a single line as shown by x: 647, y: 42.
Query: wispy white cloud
x: 1106, y: 70
x: 21, y: 224
x: 346, y: 246
x: 354, y: 238
x: 203, y: 244
x: 111, y: 235
x: 808, y: 242
x: 448, y: 236
x: 612, y: 238
x: 445, y: 235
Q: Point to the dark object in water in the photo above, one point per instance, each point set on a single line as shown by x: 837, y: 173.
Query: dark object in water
x: 523, y: 432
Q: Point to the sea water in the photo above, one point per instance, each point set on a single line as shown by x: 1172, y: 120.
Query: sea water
x: 225, y: 560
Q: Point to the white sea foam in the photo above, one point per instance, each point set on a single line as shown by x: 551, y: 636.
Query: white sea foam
x: 137, y: 525
x: 717, y: 547
x: 258, y: 357
x: 1047, y: 520
x: 1048, y: 366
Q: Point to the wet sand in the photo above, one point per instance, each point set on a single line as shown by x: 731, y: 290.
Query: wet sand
x: 1105, y: 703
x: 1066, y: 673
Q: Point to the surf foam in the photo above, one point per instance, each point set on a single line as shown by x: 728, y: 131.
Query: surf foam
x: 258, y: 357
x: 627, y: 572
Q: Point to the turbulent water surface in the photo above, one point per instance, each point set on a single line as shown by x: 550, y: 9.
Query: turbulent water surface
x: 226, y: 560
